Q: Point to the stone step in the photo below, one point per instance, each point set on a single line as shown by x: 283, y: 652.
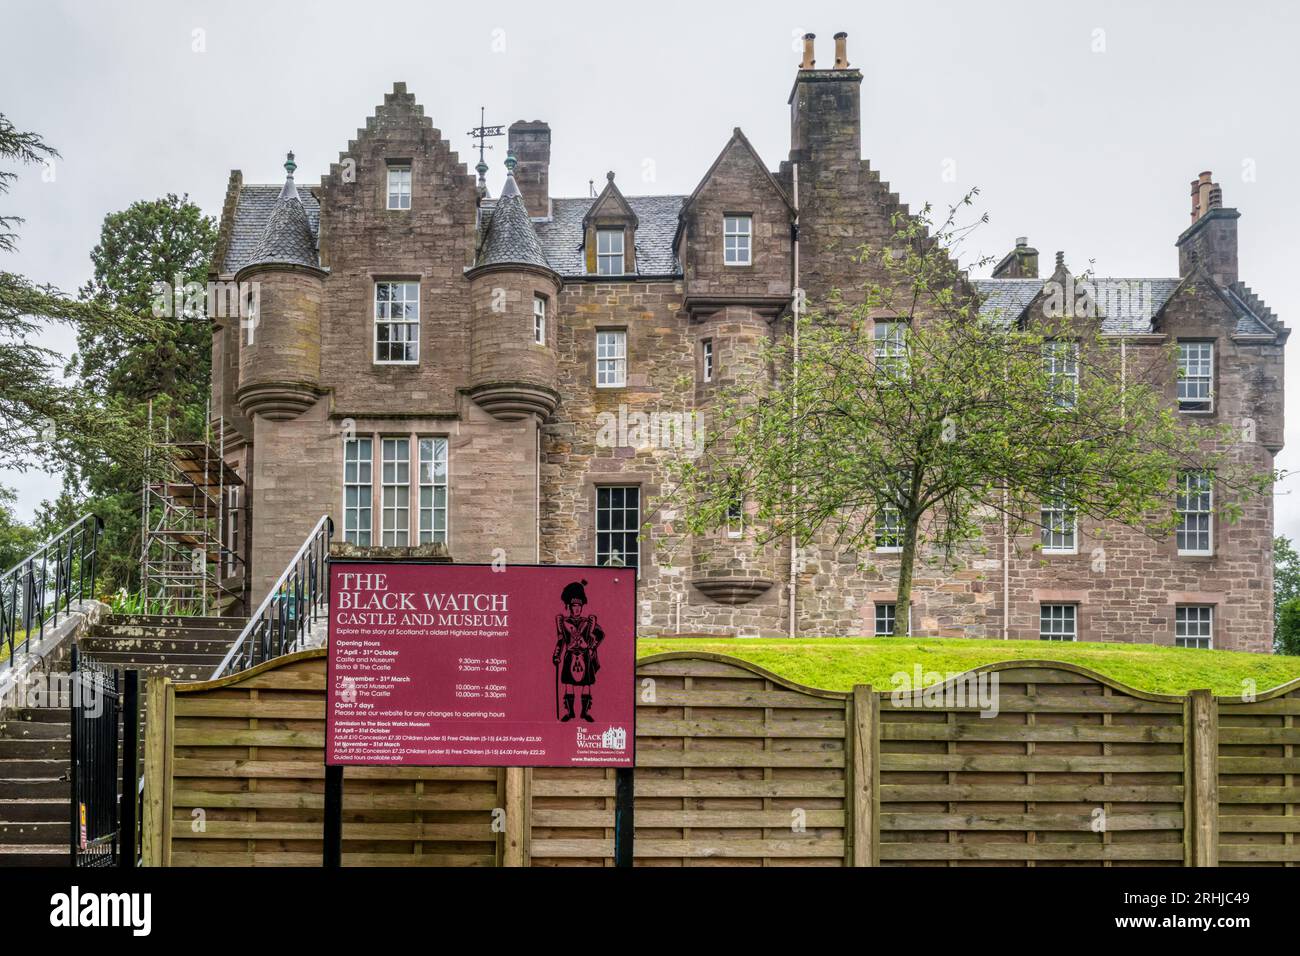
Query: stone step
x: 172, y: 621
x: 182, y: 634
x: 36, y: 768
x: 22, y: 729
x: 34, y: 748
x: 52, y: 854
x: 36, y: 810
x: 136, y: 659
x: 95, y: 644
x: 21, y: 834
x: 34, y: 789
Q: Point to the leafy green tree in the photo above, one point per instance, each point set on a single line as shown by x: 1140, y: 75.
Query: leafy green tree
x: 150, y: 246
x: 916, y: 435
x: 1286, y: 597
x: 39, y: 412
x: 17, y: 538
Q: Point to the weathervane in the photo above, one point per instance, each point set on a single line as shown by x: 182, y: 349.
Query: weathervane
x: 481, y: 133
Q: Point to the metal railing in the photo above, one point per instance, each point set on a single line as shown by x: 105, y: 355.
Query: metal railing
x: 44, y: 584
x: 291, y: 610
x: 96, y: 709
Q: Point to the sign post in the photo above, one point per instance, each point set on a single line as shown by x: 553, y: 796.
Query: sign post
x: 447, y: 665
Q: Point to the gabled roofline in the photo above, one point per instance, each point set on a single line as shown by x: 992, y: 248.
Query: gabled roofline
x: 737, y: 136
x: 611, y: 190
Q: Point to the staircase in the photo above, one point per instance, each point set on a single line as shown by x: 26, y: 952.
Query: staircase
x: 35, y: 743
x: 182, y: 648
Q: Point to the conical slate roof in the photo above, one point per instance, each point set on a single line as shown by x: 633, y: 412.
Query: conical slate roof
x: 287, y: 237
x: 511, y: 237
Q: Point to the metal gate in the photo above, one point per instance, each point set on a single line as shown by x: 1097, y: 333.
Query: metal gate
x: 103, y: 831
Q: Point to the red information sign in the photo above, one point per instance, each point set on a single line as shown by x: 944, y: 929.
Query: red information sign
x: 470, y: 665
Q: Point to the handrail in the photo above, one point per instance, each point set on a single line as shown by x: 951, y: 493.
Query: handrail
x: 28, y: 600
x: 290, y: 609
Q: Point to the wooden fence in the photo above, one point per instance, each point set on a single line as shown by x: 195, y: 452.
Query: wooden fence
x: 736, y: 766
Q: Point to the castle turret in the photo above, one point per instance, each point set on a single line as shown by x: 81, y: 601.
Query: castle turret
x: 279, y: 352
x: 514, y: 292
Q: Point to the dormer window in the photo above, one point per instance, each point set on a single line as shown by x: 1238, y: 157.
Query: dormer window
x: 609, y: 252
x: 737, y: 240
x: 399, y: 186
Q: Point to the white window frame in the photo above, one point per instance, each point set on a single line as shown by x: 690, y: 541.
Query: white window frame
x: 395, y: 491
x: 607, y: 258
x: 889, y: 527
x: 889, y: 350
x: 1058, y: 622
x: 706, y: 359
x: 539, y: 319
x: 1061, y: 364
x: 399, y: 186
x: 1202, y: 362
x: 736, y: 518
x: 611, y: 358
x: 434, y: 518
x: 1060, y: 522
x: 608, y: 511
x: 404, y: 322
x: 1196, y: 622
x: 232, y: 530
x: 1195, y: 506
x: 363, y: 481
x: 738, y: 239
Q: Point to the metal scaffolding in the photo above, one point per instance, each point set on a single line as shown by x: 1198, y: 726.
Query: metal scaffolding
x: 185, y: 515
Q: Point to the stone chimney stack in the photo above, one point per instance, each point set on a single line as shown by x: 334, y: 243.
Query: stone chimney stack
x: 826, y: 109
x: 1020, y: 263
x: 531, y: 144
x: 808, y: 61
x: 1211, y: 239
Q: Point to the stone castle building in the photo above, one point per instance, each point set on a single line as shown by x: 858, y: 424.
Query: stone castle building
x: 443, y: 372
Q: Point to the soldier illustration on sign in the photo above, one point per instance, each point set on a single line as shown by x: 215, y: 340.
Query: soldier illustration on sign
x: 576, y: 658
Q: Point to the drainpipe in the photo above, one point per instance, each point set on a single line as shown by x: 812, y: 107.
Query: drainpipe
x: 1006, y: 570
x: 537, y: 497
x: 794, y: 488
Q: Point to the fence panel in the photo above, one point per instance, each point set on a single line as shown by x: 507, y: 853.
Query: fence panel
x: 1071, y: 770
x: 1259, y: 779
x: 734, y: 766
x: 235, y: 777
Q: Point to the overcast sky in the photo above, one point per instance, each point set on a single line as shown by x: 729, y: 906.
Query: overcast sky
x: 1082, y: 123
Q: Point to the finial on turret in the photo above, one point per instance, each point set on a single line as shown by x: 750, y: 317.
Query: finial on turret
x: 610, y: 175
x: 511, y: 162
x: 290, y: 165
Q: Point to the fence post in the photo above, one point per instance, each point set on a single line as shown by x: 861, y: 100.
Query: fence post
x: 864, y: 797
x: 154, y: 832
x: 1201, y: 779
x: 518, y: 828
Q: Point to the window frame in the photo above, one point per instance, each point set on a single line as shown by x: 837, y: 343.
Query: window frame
x: 433, y: 484
x: 401, y: 465
x: 539, y: 319
x: 365, y: 503
x: 1182, y: 496
x: 1185, y: 405
x: 390, y: 322
x: 404, y: 188
x: 621, y: 255
x: 889, y: 348
x: 1052, y: 349
x: 1182, y: 610
x: 1045, y: 616
x: 706, y: 360
x: 609, y: 509
x: 619, y: 358
x: 747, y: 235
x: 1058, y: 503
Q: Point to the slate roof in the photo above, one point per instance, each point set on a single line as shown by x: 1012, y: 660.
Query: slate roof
x: 1126, y: 305
x: 256, y: 203
x: 562, y: 235
x: 508, y: 234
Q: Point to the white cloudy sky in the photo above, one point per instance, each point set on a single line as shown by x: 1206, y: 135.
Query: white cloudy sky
x: 1081, y: 122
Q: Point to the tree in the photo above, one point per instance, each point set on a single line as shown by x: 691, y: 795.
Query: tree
x: 151, y: 245
x: 908, y: 420
x: 39, y: 413
x: 17, y: 539
x: 1286, y: 597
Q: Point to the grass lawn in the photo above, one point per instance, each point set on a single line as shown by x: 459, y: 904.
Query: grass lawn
x: 837, y: 663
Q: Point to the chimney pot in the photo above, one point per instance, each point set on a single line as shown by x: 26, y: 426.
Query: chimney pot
x: 1022, y: 241
x: 808, y: 61
x: 841, y: 50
